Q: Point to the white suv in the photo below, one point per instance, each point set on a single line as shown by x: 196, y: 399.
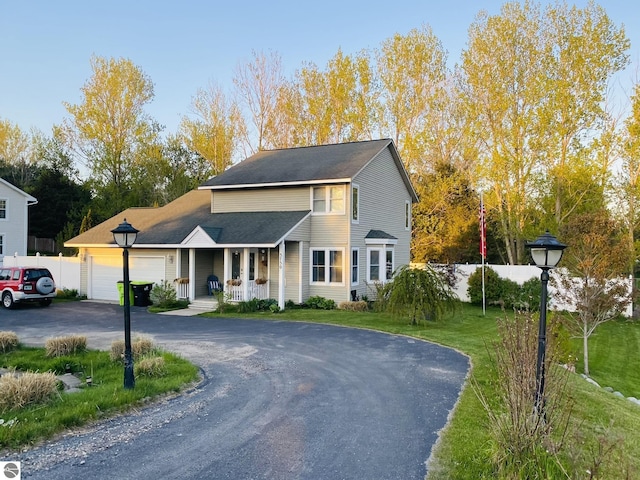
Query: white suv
x: 26, y: 284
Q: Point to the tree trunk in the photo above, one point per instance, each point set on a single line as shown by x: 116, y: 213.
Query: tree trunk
x: 585, y: 348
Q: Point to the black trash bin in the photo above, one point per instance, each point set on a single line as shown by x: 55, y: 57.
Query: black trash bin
x: 141, y: 293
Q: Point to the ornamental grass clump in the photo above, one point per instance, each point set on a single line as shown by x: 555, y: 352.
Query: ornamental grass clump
x: 21, y: 390
x: 8, y: 341
x: 151, y: 367
x: 63, y: 346
x: 139, y: 347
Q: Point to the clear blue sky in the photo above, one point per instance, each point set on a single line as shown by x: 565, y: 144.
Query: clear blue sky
x: 45, y: 46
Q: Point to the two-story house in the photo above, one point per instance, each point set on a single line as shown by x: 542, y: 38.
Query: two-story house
x: 14, y: 219
x: 288, y: 224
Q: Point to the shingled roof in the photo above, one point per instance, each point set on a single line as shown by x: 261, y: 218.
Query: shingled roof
x: 171, y: 224
x: 305, y: 165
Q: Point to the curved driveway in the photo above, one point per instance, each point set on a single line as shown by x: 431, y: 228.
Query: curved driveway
x: 281, y: 400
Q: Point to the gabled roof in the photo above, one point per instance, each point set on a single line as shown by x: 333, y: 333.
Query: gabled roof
x: 173, y: 224
x: 30, y: 200
x: 306, y: 165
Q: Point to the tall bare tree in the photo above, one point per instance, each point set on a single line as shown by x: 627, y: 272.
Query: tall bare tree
x: 258, y: 83
x: 214, y: 131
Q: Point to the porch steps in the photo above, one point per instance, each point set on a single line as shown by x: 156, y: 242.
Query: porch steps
x: 203, y: 304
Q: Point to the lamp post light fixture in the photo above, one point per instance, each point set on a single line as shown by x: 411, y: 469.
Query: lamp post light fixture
x: 546, y: 252
x: 125, y: 236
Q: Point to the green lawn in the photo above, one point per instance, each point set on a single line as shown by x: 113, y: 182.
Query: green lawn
x: 106, y: 397
x: 599, y: 421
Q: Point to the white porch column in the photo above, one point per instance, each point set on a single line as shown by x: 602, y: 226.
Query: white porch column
x: 227, y: 268
x: 178, y: 257
x: 300, y: 269
x: 244, y: 274
x: 192, y: 274
x: 281, y: 285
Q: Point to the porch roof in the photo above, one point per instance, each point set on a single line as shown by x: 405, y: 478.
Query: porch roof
x: 172, y: 225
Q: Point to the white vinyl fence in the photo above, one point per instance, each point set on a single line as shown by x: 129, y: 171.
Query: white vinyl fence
x: 65, y: 270
x: 517, y: 273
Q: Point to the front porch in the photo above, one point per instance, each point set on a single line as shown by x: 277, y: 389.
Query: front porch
x: 233, y: 291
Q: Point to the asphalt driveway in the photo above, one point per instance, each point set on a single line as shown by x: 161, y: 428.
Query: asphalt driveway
x: 280, y: 400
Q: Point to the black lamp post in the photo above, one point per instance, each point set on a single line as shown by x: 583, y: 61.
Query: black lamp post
x: 546, y: 252
x: 125, y: 236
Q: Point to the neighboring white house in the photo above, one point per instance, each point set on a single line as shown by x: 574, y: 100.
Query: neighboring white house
x: 288, y: 224
x: 14, y: 219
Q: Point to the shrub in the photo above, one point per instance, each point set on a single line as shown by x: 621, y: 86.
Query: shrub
x: 320, y: 303
x: 359, y: 306
x: 67, y: 294
x: 492, y: 286
x: 8, y: 341
x: 62, y: 346
x: 257, y: 305
x: 18, y: 391
x: 151, y: 367
x: 139, y: 348
x: 164, y: 295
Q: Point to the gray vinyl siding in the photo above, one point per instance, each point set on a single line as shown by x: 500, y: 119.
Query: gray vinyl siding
x: 260, y: 200
x: 291, y: 271
x: 382, y: 207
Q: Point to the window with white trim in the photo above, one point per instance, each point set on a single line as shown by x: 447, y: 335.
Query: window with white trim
x: 380, y: 264
x: 355, y: 266
x: 327, y: 266
x: 355, y: 203
x: 328, y: 200
x: 3, y: 209
x: 407, y: 215
x: 1, y: 245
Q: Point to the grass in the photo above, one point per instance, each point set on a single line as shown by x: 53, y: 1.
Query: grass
x: 604, y: 427
x: 106, y: 397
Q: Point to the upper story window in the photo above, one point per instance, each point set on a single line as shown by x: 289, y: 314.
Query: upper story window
x: 3, y: 208
x: 407, y: 215
x: 328, y: 200
x: 355, y: 203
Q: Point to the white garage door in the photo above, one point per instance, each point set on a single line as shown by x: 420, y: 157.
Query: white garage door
x: 106, y: 270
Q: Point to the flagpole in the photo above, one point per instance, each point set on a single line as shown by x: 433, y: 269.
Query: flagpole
x: 483, y: 250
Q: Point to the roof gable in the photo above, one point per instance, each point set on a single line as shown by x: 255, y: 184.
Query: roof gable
x: 30, y: 200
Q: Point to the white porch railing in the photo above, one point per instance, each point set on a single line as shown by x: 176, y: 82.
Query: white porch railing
x: 236, y: 292
x: 182, y: 287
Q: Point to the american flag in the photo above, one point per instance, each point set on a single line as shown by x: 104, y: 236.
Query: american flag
x: 483, y: 229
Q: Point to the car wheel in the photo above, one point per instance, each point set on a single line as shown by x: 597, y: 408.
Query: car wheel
x: 7, y: 300
x: 46, y: 302
x: 45, y: 285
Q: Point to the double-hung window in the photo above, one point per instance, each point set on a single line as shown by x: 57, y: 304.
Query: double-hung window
x: 327, y: 266
x: 328, y: 200
x: 355, y: 266
x: 3, y: 209
x: 355, y: 203
x: 380, y: 264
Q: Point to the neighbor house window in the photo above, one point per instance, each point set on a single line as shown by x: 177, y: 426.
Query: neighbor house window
x: 2, y: 245
x: 355, y: 269
x: 328, y: 199
x: 327, y: 266
x: 407, y: 215
x: 3, y: 208
x: 355, y: 203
